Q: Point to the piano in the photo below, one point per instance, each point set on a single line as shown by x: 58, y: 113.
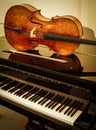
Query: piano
x: 57, y: 93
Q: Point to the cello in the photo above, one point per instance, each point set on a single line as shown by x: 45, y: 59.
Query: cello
x: 26, y: 28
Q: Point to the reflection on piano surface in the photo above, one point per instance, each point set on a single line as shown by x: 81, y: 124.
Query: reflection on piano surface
x: 71, y: 63
x: 65, y: 97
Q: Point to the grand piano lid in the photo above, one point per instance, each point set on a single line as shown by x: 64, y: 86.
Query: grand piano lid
x: 82, y: 63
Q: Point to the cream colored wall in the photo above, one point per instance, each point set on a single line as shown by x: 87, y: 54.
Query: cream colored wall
x: 87, y: 17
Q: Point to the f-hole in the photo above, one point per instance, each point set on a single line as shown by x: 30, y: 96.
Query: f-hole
x: 31, y: 20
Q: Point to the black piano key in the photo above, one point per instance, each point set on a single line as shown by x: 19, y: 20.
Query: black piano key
x: 53, y: 101
x: 72, y: 105
x: 11, y: 90
x: 5, y: 82
x: 9, y: 85
x: 18, y: 92
x: 42, y: 94
x: 35, y: 95
x: 49, y: 103
x: 2, y: 79
x: 34, y: 90
x: 46, y: 98
x: 65, y: 103
x: 29, y: 93
x: 25, y: 89
x: 76, y: 109
x: 59, y: 101
x: 6, y: 86
x: 16, y: 87
x: 43, y: 97
x: 73, y: 108
x: 60, y: 108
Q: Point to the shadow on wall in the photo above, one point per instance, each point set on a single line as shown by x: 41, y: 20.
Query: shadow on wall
x: 89, y: 33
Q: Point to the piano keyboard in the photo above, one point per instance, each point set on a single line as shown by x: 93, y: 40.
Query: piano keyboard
x: 48, y: 103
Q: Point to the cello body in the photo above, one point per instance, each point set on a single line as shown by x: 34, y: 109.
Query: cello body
x: 25, y: 26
